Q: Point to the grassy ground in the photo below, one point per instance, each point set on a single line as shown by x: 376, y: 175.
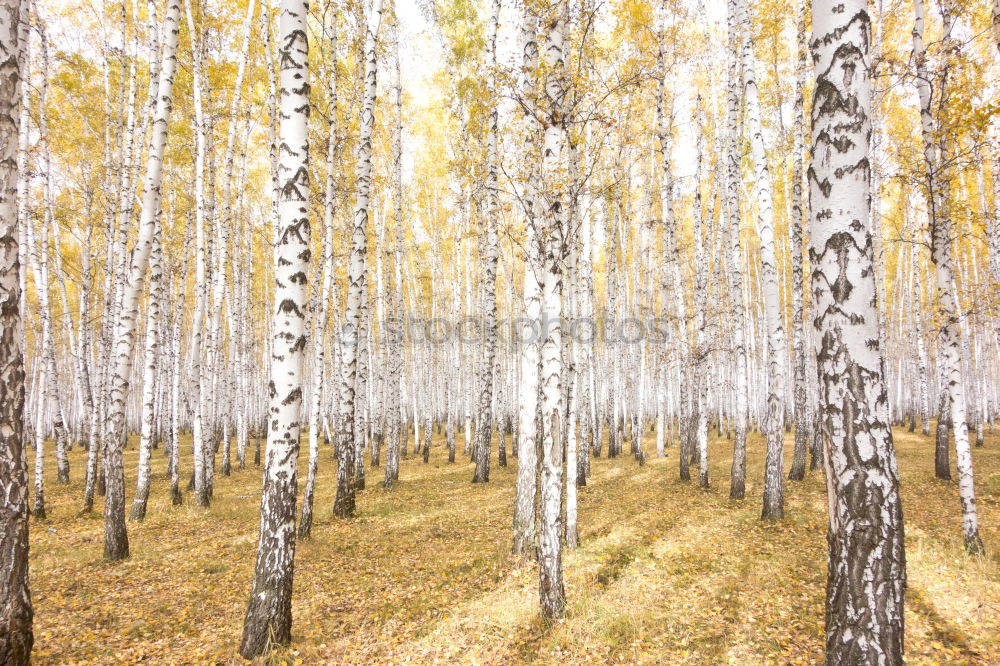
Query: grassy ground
x: 667, y: 572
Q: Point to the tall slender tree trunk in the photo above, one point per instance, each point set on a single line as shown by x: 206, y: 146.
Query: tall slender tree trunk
x: 16, y: 613
x: 525, y: 526
x: 115, y: 535
x: 671, y: 251
x: 41, y: 265
x: 357, y: 275
x: 737, y: 475
x: 200, y: 370
x: 151, y: 357
x: 268, y: 617
x: 774, y: 418
x: 700, y: 420
x: 936, y: 155
x: 551, y: 591
x: 803, y: 417
x: 484, y: 419
x: 867, y: 569
x: 395, y: 338
x: 326, y: 269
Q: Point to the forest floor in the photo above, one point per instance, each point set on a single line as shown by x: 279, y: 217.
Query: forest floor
x: 666, y: 573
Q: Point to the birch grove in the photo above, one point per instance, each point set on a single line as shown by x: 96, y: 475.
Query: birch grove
x: 501, y: 278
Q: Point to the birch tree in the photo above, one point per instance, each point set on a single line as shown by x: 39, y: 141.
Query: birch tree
x: 525, y: 525
x: 737, y: 483
x: 936, y: 156
x: 16, y: 637
x: 867, y: 570
x: 552, y: 594
x: 484, y: 418
x: 803, y: 419
x: 326, y: 270
x: 396, y: 336
x: 115, y: 534
x: 268, y: 617
x: 357, y: 276
x: 151, y: 354
x: 774, y: 418
x: 201, y: 373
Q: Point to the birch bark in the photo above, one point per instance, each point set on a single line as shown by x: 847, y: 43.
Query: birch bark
x: 16, y: 637
x: 115, y: 535
x: 357, y: 269
x: 867, y: 571
x: 268, y: 617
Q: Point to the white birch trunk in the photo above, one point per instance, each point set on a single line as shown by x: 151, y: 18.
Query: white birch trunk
x: 16, y: 636
x: 268, y: 619
x: 803, y: 418
x: 737, y: 477
x: 115, y: 535
x: 949, y: 333
x: 357, y: 290
x: 484, y: 418
x: 867, y: 576
x: 151, y: 357
x: 773, y: 426
x: 200, y: 371
x: 326, y: 269
x: 525, y: 526
x: 552, y: 594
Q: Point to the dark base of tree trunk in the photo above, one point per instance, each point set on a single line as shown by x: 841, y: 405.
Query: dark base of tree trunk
x: 138, y: 512
x: 737, y: 492
x: 16, y: 636
x: 116, y: 548
x: 942, y: 468
x: 552, y: 597
x: 268, y: 622
x: 482, y: 473
x: 305, y: 526
x: 39, y: 512
x: 772, y: 513
x: 343, y: 505
x: 176, y: 496
x: 974, y: 545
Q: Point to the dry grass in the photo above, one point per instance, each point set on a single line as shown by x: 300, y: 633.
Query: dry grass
x: 667, y: 572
